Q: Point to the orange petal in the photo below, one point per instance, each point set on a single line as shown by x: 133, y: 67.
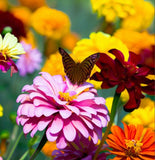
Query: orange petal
x: 114, y: 145
x: 139, y: 132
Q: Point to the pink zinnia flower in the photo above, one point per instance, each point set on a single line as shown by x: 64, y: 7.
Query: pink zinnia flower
x: 65, y: 110
x: 30, y: 61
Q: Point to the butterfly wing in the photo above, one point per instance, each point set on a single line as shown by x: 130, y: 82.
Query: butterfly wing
x: 69, y: 65
x: 85, y: 68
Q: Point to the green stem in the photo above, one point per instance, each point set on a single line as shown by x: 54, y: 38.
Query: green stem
x: 15, y: 145
x: 41, y: 144
x: 24, y: 155
x: 112, y: 116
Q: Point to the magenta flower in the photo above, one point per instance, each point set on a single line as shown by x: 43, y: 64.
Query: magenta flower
x: 82, y: 148
x: 63, y: 109
x: 30, y: 61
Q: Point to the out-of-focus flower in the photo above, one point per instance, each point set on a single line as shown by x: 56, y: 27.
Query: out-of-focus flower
x: 142, y: 40
x: 33, y: 4
x: 18, y: 12
x: 112, y: 9
x: 1, y: 110
x: 108, y: 103
x: 3, y: 5
x: 9, y: 49
x: 48, y: 148
x: 132, y: 142
x: 98, y: 42
x: 1, y: 158
x: 140, y: 115
x: 9, y: 20
x: 69, y: 41
x: 82, y: 148
x: 127, y: 75
x: 30, y: 61
x: 143, y: 17
x: 52, y: 23
x: 54, y: 65
x: 65, y: 110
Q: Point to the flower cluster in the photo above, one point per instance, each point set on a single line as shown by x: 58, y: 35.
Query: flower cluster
x: 110, y: 60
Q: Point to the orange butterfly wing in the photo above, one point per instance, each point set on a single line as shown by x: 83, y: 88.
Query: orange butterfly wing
x: 78, y: 73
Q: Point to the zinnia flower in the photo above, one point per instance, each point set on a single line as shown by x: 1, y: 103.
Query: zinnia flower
x: 65, y: 110
x: 9, y: 48
x: 30, y: 61
x: 132, y: 143
x: 127, y: 75
x: 7, y: 19
x: 140, y: 115
x: 1, y: 111
x: 82, y: 148
x: 52, y: 23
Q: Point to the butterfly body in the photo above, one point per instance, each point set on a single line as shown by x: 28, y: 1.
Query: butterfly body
x: 78, y: 73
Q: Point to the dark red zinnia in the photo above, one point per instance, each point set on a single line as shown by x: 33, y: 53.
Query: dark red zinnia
x: 8, y: 20
x: 126, y: 75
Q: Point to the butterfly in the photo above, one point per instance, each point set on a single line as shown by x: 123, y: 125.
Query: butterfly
x: 78, y: 73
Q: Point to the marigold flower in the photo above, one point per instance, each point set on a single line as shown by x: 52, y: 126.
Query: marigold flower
x: 143, y: 17
x: 32, y: 4
x: 9, y: 49
x: 98, y: 42
x: 30, y: 61
x: 17, y: 26
x: 65, y: 110
x: 132, y: 143
x: 54, y: 65
x: 142, y: 40
x: 52, y: 23
x: 127, y: 75
x: 112, y: 9
x: 140, y: 115
x: 82, y: 148
x: 1, y: 111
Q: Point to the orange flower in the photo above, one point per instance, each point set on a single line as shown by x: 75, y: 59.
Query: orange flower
x: 132, y: 143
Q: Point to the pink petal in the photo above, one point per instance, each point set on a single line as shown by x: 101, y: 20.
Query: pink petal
x: 89, y: 124
x: 49, y: 136
x: 84, y: 96
x: 56, y: 125
x: 33, y: 132
x: 99, y: 100
x: 69, y: 132
x: 28, y: 127
x: 97, y: 122
x: 79, y: 126
x: 23, y: 97
x: 43, y: 124
x: 61, y: 143
x: 73, y: 109
x: 46, y: 111
x: 94, y: 138
x: 65, y: 113
x: 28, y: 88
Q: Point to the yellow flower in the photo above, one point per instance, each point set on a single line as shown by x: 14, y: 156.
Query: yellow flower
x: 108, y: 103
x: 18, y: 12
x: 48, y: 148
x: 33, y: 4
x: 135, y: 41
x: 1, y: 110
x: 112, y: 9
x: 54, y: 65
x: 9, y: 47
x: 144, y: 115
x: 50, y: 22
x: 98, y: 42
x: 143, y: 17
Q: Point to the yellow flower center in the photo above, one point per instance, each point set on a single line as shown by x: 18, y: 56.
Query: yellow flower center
x: 67, y: 97
x: 133, y: 147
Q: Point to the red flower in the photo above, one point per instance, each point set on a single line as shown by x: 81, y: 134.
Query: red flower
x: 126, y: 75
